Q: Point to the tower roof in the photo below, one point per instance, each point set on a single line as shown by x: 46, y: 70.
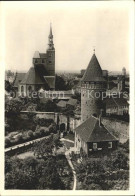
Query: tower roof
x: 50, y: 35
x: 93, y: 71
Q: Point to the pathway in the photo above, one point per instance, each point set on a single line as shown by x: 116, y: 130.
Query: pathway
x: 25, y: 144
x: 70, y: 162
x: 63, y: 139
x: 72, y: 167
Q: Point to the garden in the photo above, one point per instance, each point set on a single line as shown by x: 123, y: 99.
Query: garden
x: 44, y: 170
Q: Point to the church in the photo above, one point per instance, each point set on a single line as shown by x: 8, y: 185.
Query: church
x: 41, y: 75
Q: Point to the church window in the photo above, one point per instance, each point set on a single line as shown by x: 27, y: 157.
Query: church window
x: 30, y: 88
x: 22, y: 88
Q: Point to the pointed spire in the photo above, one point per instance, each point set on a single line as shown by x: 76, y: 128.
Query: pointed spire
x: 93, y: 71
x: 93, y: 49
x: 50, y: 38
x: 50, y: 35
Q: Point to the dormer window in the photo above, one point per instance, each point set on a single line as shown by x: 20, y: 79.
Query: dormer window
x: 94, y: 146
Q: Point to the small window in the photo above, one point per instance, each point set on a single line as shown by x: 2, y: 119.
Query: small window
x: 94, y: 146
x: 50, y: 62
x: 42, y: 60
x: 109, y: 144
x: 36, y: 61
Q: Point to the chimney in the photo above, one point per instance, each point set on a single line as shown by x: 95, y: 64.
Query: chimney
x: 100, y: 124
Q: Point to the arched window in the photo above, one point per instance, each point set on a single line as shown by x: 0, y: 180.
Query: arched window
x: 22, y: 89
x: 29, y: 88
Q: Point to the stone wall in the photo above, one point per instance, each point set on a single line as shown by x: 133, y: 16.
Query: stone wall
x: 118, y: 128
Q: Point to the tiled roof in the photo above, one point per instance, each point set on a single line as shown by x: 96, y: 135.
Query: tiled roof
x: 50, y: 80
x: 18, y: 79
x: 72, y: 102
x: 62, y: 104
x: 32, y: 77
x: 115, y: 102
x: 90, y: 131
x: 93, y: 71
x: 42, y: 55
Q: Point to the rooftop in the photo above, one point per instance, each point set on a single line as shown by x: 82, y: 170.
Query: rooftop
x: 93, y: 71
x: 91, y: 131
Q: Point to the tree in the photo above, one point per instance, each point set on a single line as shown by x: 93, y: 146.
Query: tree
x: 50, y: 177
x: 13, y: 107
x: 44, y: 148
x: 8, y: 86
x: 60, y: 83
x: 48, y: 106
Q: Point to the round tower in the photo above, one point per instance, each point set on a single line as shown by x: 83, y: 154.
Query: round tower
x: 93, y: 85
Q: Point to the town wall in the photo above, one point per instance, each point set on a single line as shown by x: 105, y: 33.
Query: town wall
x: 119, y: 129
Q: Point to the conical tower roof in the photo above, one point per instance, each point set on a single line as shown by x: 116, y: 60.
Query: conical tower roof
x: 93, y: 72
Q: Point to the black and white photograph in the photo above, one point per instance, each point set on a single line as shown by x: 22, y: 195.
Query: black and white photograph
x: 66, y: 95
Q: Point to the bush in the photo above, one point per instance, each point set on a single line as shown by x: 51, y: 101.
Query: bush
x: 7, y: 142
x: 30, y: 134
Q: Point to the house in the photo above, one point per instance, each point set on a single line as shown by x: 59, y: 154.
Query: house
x: 71, y: 104
x: 92, y: 136
x: 62, y: 104
x: 117, y: 106
x: 17, y: 80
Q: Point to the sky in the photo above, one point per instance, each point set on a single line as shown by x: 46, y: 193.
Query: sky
x: 78, y: 27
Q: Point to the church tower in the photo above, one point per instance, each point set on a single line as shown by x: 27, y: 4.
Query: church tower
x: 93, y: 85
x: 50, y: 55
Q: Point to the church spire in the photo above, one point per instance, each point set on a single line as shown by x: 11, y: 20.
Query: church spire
x: 50, y: 37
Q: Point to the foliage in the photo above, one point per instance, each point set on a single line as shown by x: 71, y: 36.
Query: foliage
x: 60, y: 83
x: 13, y: 107
x: 48, y: 106
x: 8, y: 86
x: 113, y: 167
x: 31, y: 173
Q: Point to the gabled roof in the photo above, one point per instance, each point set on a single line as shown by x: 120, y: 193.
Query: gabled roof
x: 62, y: 104
x: 90, y: 131
x: 32, y: 77
x: 18, y: 79
x: 93, y: 71
x: 42, y: 55
x: 116, y: 102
